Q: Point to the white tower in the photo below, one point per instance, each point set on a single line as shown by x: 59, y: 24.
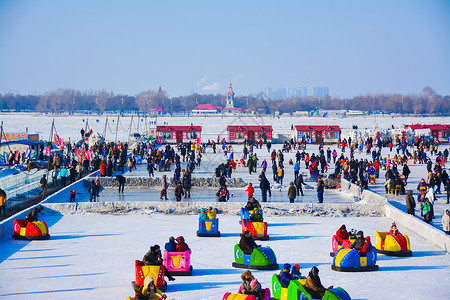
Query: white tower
x: 230, y: 97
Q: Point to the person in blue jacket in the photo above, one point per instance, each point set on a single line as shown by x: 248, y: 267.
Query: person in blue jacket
x: 171, y: 246
x: 285, y: 275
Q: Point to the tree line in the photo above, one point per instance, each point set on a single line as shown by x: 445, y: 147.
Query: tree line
x: 428, y: 102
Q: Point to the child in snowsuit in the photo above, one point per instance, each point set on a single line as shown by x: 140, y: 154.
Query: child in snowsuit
x: 250, y: 190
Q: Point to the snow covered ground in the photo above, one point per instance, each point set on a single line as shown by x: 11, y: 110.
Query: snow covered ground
x: 70, y: 126
x: 92, y: 256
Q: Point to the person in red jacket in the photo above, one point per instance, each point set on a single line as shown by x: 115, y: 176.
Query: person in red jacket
x: 181, y: 245
x: 103, y: 168
x: 250, y: 190
x: 341, y: 234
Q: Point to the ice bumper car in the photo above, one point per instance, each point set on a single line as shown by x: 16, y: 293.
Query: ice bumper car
x: 239, y: 296
x: 257, y: 229
x: 24, y: 230
x: 157, y: 272
x: 262, y: 258
x: 178, y: 263
x: 297, y: 291
x: 350, y: 260
x: 394, y: 245
x: 208, y: 228
x: 335, y: 245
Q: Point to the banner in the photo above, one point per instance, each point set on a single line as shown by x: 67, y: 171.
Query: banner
x: 231, y: 135
x: 14, y: 136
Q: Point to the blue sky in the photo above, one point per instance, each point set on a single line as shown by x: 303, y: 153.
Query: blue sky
x: 353, y: 47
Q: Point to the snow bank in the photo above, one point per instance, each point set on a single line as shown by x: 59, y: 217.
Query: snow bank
x: 230, y: 208
x: 434, y: 235
x: 155, y: 182
x: 348, y: 187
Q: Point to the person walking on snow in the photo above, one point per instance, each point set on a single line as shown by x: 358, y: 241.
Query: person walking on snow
x: 250, y: 190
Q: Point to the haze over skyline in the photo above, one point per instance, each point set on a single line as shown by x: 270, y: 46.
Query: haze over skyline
x: 352, y: 47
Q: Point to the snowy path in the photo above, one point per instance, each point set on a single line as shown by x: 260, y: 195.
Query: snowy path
x: 92, y: 257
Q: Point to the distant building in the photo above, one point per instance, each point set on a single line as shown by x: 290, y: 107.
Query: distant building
x: 285, y: 93
x: 240, y: 133
x: 317, y: 134
x: 178, y: 134
x: 439, y: 132
x: 204, y: 109
x: 321, y: 92
x: 230, y: 97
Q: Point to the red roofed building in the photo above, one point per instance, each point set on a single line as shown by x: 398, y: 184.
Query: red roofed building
x: 240, y: 133
x: 204, y: 109
x: 437, y: 131
x: 178, y: 134
x: 317, y: 134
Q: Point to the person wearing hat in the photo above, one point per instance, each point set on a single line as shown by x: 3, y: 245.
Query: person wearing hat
x: 394, y: 230
x: 342, y: 234
x: 250, y: 285
x: 250, y: 190
x: 211, y: 213
x: 171, y: 245
x: 295, y: 273
x: 256, y: 216
x: 153, y: 258
x: 285, y: 275
x: 361, y: 244
x: 313, y: 285
x: 181, y: 245
x: 148, y: 292
x: 252, y: 204
x: 222, y: 194
x: 203, y: 215
x: 32, y: 214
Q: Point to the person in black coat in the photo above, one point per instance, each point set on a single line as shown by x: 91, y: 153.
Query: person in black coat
x: 187, y: 185
x: 406, y: 171
x: 264, y: 186
x: 32, y: 214
x: 121, y: 181
x: 298, y: 184
x: 223, y: 181
x: 153, y: 258
x: 410, y: 203
x: 247, y: 243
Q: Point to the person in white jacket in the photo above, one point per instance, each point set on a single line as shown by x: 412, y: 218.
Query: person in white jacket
x: 431, y: 197
x: 446, y: 222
